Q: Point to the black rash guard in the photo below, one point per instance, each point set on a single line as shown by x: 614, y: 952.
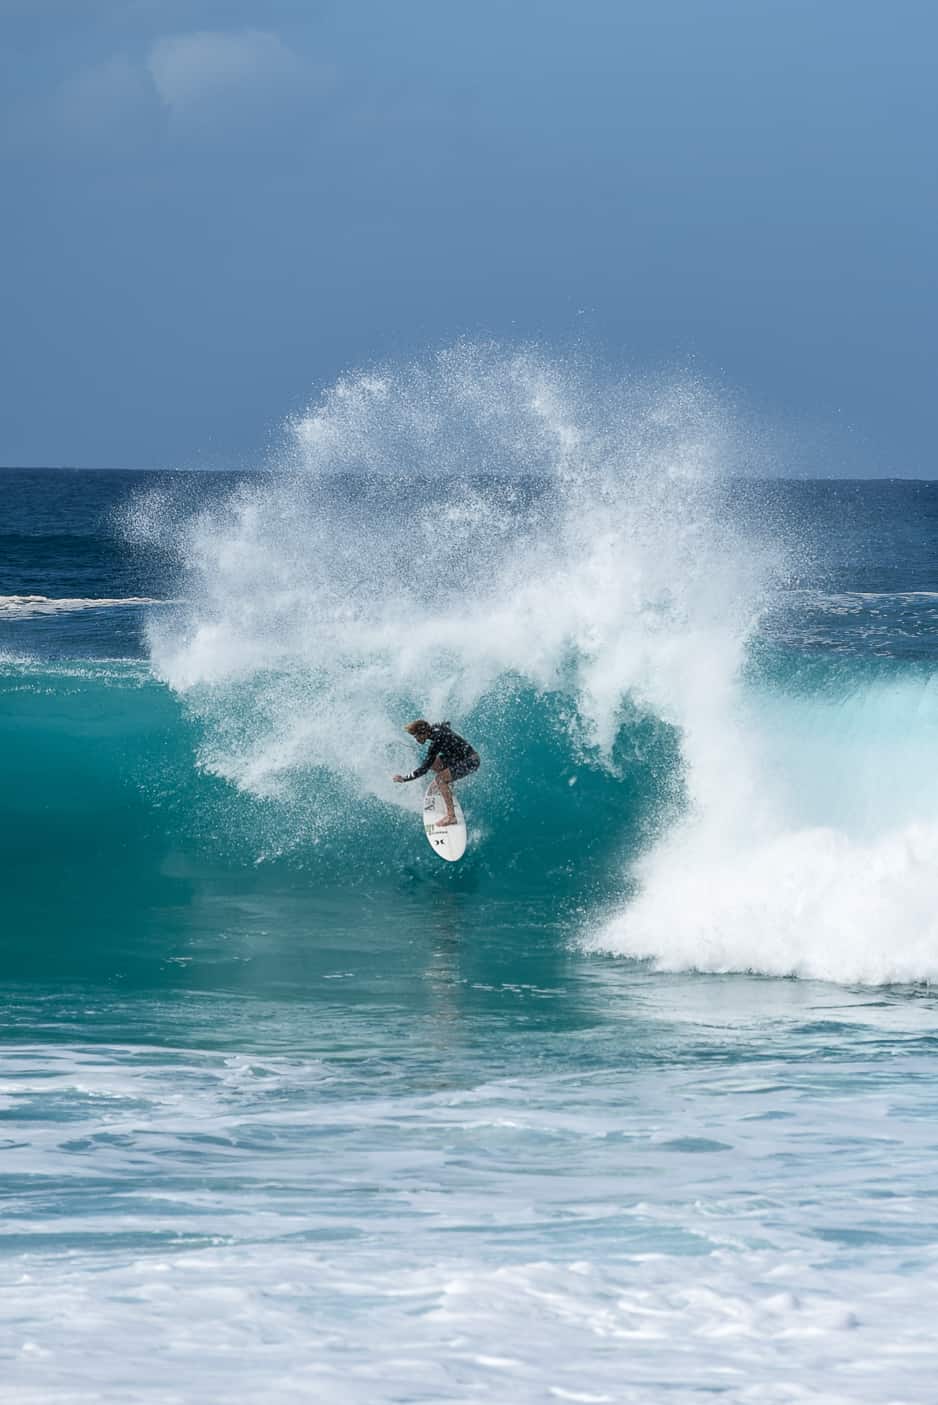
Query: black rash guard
x: 454, y: 751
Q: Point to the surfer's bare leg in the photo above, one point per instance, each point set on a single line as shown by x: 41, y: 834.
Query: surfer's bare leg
x: 443, y: 779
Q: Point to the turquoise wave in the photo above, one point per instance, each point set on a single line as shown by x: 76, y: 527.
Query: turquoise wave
x: 108, y: 819
x: 127, y: 856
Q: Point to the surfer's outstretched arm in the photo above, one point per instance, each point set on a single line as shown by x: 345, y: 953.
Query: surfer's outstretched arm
x: 428, y: 761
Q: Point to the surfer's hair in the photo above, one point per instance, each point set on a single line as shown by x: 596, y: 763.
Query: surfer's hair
x: 418, y: 729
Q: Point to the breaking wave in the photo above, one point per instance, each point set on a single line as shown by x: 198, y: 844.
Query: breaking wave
x: 556, y: 560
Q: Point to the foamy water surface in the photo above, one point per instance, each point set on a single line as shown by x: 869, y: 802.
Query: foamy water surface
x: 714, y: 1186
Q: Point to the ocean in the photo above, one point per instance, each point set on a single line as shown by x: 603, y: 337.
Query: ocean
x: 636, y: 1103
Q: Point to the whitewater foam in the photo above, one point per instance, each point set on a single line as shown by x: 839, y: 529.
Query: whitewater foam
x: 637, y: 1236
x: 824, y: 861
x: 23, y: 607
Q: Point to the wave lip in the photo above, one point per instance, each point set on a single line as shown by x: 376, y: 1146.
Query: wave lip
x: 25, y: 607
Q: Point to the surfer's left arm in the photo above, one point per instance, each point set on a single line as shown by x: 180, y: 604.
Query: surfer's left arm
x: 424, y: 766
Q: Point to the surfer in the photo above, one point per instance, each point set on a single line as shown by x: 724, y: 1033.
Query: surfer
x: 450, y: 756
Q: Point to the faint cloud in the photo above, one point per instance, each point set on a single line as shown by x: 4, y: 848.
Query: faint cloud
x: 103, y: 108
x: 192, y: 69
x: 207, y: 84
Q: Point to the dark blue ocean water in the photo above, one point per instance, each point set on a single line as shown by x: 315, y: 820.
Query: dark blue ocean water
x: 636, y: 1103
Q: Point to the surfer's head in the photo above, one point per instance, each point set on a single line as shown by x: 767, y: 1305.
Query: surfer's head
x: 419, y: 730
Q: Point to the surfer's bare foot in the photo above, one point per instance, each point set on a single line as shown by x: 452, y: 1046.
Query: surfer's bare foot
x: 449, y: 819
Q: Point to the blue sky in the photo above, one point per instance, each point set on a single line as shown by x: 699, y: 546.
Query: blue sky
x: 212, y: 208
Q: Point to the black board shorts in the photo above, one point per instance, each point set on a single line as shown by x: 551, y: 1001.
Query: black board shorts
x: 463, y: 767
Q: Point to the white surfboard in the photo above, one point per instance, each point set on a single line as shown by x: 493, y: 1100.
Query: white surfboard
x: 449, y: 841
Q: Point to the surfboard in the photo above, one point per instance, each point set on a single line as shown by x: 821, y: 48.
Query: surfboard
x: 450, y: 840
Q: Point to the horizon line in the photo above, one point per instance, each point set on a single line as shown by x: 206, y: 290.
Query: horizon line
x: 732, y: 477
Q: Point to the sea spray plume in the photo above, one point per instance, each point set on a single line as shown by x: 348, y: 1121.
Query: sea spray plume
x: 436, y: 534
